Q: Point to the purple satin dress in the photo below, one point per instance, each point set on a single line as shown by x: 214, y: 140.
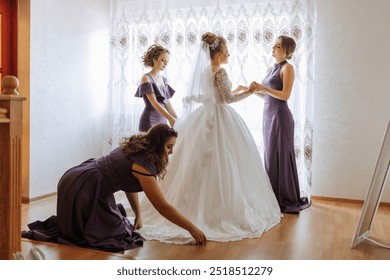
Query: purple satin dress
x: 151, y: 116
x: 279, y: 155
x: 87, y: 214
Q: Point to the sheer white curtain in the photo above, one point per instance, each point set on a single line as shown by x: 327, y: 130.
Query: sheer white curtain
x: 250, y: 27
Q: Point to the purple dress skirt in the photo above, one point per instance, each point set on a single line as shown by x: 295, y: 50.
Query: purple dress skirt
x: 279, y: 155
x: 151, y: 116
x: 87, y: 214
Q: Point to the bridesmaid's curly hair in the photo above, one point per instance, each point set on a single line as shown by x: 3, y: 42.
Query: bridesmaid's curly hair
x: 151, y: 144
x: 153, y: 52
x: 216, y: 43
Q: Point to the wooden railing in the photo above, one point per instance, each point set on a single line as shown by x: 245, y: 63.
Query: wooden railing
x: 10, y: 165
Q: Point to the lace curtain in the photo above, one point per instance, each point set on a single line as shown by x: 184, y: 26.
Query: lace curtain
x: 250, y: 26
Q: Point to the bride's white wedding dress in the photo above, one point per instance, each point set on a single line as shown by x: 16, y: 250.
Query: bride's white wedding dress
x: 215, y: 175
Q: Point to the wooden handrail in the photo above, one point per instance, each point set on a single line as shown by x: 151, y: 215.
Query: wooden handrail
x: 10, y: 167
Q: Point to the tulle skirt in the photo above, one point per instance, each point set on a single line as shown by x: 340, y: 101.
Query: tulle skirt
x: 216, y: 179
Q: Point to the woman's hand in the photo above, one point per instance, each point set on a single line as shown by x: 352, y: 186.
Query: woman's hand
x: 242, y: 88
x: 252, y: 87
x: 239, y: 89
x: 155, y: 195
x: 172, y: 121
x: 259, y: 93
x: 257, y: 89
x: 138, y: 223
x: 199, y: 236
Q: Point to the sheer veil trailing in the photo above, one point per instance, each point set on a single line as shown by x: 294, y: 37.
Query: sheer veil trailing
x: 200, y: 87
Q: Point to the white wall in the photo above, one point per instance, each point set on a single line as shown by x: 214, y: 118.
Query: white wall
x: 352, y: 97
x: 69, y: 70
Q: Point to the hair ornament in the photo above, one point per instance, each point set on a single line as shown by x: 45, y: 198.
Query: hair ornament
x: 215, y: 44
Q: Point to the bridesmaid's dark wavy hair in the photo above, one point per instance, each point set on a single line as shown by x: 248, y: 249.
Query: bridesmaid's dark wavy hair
x: 151, y: 144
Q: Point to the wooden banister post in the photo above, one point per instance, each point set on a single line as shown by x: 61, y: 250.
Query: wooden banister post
x: 10, y: 165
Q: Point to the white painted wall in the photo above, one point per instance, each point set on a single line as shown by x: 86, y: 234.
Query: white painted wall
x: 352, y: 97
x: 69, y: 74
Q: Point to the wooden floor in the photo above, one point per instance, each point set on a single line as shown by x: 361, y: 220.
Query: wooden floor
x: 322, y: 232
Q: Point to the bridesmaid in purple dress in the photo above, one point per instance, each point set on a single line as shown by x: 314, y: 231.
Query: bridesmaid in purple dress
x: 155, y: 90
x: 87, y: 214
x: 278, y: 129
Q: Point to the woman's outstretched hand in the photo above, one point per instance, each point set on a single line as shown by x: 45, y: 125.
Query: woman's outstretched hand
x: 257, y: 88
x: 199, y: 236
x: 241, y: 88
x: 138, y: 223
x: 172, y: 121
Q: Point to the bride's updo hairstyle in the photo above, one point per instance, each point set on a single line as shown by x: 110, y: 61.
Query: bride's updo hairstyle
x: 288, y: 45
x: 216, y: 43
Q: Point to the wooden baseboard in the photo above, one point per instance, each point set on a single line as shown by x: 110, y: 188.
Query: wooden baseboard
x: 344, y: 200
x: 27, y: 200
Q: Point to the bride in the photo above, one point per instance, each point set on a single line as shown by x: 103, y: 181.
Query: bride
x: 215, y: 176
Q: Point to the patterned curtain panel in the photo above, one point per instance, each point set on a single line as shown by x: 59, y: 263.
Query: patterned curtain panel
x: 250, y: 27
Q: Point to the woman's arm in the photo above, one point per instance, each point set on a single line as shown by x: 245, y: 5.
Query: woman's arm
x: 134, y: 203
x: 170, y: 109
x: 159, y: 108
x: 224, y: 87
x: 287, y: 76
x: 156, y: 197
x: 257, y: 92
